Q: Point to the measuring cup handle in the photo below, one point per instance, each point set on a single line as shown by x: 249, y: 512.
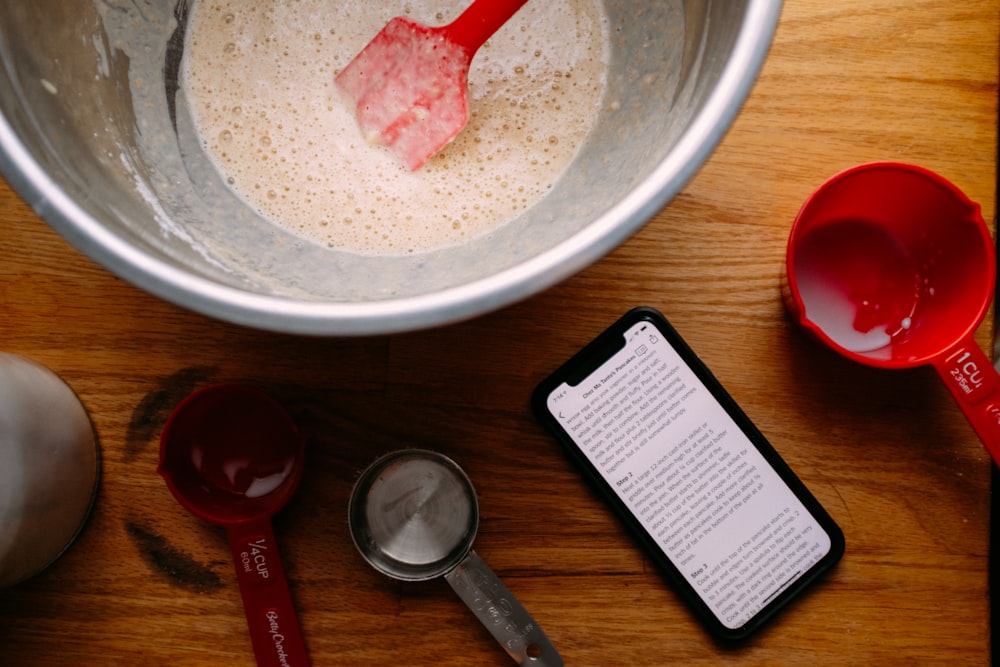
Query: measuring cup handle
x: 500, y: 612
x: 274, y: 626
x: 975, y: 384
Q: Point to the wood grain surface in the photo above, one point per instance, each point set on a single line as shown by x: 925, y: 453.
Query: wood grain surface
x: 887, y: 453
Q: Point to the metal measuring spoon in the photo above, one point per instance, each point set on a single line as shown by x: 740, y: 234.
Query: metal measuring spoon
x: 413, y: 516
x: 233, y: 456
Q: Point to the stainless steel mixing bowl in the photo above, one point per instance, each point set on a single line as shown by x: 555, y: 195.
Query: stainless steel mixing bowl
x: 96, y: 137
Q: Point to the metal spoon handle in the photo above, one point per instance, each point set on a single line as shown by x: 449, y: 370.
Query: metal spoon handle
x: 500, y: 612
x: 274, y: 626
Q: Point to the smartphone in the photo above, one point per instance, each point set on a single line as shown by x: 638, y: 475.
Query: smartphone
x: 718, y: 510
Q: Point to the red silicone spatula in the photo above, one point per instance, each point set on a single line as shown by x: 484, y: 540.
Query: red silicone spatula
x: 410, y: 84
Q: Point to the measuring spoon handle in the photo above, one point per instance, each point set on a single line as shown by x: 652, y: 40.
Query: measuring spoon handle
x: 500, y: 612
x: 975, y: 384
x: 273, y: 623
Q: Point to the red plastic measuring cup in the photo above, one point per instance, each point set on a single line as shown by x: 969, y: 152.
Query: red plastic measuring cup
x: 891, y: 265
x: 233, y: 456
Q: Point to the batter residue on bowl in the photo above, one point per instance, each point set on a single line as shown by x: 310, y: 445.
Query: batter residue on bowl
x: 259, y: 79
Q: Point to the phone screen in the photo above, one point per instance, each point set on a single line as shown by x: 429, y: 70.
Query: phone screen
x: 687, y: 471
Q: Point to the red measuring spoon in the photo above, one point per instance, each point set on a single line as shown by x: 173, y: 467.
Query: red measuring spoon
x: 892, y: 266
x: 410, y: 83
x: 232, y: 456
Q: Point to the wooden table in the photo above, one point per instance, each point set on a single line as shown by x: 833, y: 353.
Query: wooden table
x: 886, y: 452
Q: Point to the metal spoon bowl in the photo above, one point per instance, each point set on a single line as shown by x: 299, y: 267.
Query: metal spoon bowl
x: 413, y: 516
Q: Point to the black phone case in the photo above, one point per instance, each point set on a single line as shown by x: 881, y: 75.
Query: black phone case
x: 587, y: 360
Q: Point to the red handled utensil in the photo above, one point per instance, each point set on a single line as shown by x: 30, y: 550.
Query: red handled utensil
x: 232, y: 456
x: 411, y: 82
x: 892, y: 266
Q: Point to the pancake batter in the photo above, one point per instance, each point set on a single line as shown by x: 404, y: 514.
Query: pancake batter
x: 259, y: 77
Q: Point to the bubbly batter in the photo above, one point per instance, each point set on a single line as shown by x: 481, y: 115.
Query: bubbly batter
x: 259, y: 79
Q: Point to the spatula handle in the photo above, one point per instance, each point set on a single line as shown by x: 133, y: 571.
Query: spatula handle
x: 480, y: 20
